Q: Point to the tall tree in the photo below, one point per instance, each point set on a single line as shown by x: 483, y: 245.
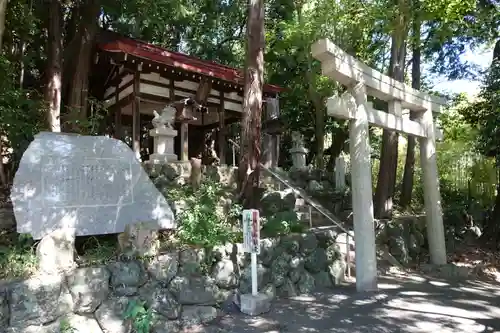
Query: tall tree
x: 441, y: 42
x: 54, y: 66
x: 407, y: 184
x: 3, y: 9
x: 252, y: 105
x: 386, y: 183
x: 82, y: 29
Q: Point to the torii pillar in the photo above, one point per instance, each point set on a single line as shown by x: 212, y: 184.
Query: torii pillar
x: 361, y: 81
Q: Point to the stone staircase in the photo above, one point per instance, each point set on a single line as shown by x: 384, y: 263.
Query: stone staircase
x: 308, y: 206
x: 322, y: 220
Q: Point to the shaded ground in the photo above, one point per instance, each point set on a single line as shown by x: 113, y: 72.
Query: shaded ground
x: 403, y: 304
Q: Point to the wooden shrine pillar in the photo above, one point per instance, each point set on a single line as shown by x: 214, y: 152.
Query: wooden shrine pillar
x: 272, y: 131
x: 267, y: 150
x: 184, y: 153
x: 222, y: 131
x: 118, y: 113
x: 136, y: 117
x: 201, y: 97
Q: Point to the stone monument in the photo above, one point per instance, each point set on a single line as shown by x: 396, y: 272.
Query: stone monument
x: 298, y: 151
x: 163, y: 136
x: 91, y: 183
x: 340, y: 171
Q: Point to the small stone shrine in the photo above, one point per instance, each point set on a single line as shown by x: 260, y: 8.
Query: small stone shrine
x: 298, y: 151
x: 163, y: 136
x: 91, y: 183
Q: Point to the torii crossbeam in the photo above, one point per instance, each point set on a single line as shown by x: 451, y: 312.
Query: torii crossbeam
x: 361, y: 80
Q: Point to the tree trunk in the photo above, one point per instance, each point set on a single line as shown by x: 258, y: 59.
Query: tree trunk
x: 22, y: 64
x: 54, y: 73
x: 3, y: 10
x: 407, y: 185
x: 491, y: 230
x: 248, y: 168
x: 77, y: 100
x: 386, y: 183
x: 496, y: 51
x: 320, y: 137
x: 336, y: 148
x: 319, y: 124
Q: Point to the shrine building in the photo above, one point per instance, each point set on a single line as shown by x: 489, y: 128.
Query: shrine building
x: 134, y: 78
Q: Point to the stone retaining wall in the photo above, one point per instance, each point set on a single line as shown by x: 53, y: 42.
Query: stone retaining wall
x: 181, y: 288
x: 405, y: 237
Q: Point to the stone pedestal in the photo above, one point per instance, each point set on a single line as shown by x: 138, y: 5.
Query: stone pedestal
x: 299, y: 157
x: 254, y: 305
x: 163, y: 138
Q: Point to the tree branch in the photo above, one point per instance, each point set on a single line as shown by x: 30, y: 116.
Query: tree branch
x: 238, y: 36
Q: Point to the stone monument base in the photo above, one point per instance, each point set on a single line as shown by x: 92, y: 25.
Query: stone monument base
x: 299, y: 157
x: 254, y: 305
x: 162, y: 158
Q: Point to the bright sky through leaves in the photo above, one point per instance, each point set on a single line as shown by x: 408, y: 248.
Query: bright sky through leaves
x: 480, y: 57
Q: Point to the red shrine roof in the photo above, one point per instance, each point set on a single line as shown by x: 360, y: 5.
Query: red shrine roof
x: 158, y: 54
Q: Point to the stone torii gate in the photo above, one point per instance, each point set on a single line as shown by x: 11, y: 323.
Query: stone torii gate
x: 361, y: 80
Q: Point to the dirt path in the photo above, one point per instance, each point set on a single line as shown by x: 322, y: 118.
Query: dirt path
x: 403, y: 304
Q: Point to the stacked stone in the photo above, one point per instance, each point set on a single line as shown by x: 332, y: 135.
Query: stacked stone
x: 404, y: 237
x: 94, y: 299
x: 181, y: 288
x: 297, y: 264
x: 321, y: 186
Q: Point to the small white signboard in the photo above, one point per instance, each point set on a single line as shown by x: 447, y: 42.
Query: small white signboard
x: 251, y: 231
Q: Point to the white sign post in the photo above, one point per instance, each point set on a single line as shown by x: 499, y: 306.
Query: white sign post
x: 251, y: 242
x: 361, y: 81
x: 255, y: 303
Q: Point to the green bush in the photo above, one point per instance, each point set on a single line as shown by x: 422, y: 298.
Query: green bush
x: 282, y: 223
x: 21, y: 114
x: 140, y: 317
x: 17, y: 256
x: 203, y: 219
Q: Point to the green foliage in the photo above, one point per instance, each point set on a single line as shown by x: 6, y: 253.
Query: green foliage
x: 65, y: 326
x: 465, y: 176
x: 92, y: 125
x: 282, y: 223
x: 205, y: 219
x: 98, y: 251
x: 17, y: 255
x: 484, y: 114
x: 218, y: 33
x: 453, y: 26
x: 290, y: 35
x: 21, y: 113
x: 467, y: 179
x: 139, y: 315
